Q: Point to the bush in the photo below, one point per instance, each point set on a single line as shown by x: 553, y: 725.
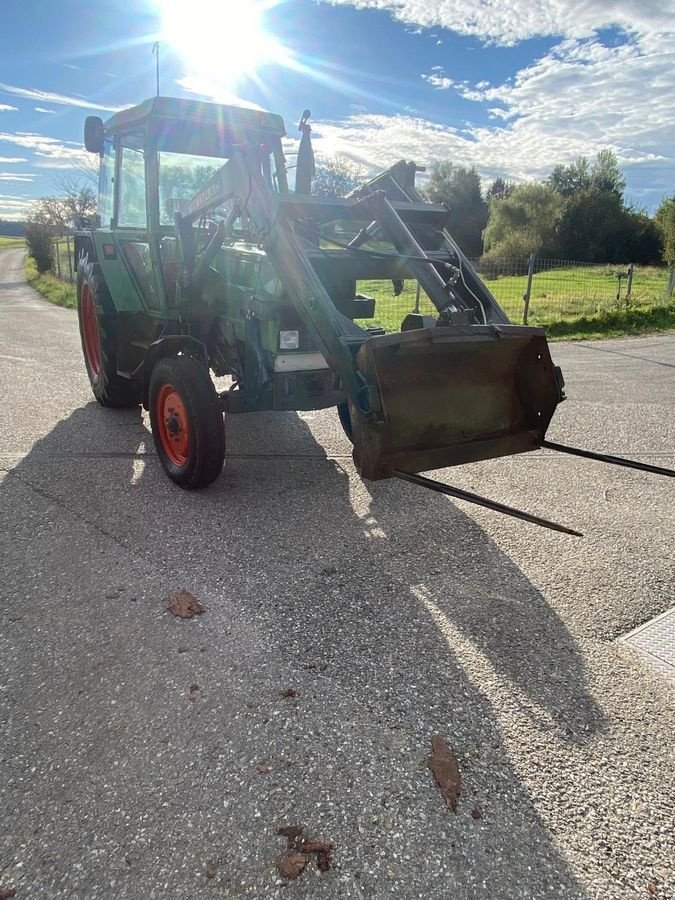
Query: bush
x: 40, y: 241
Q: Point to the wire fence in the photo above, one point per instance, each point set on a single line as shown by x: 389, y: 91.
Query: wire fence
x: 540, y: 291
x: 530, y: 290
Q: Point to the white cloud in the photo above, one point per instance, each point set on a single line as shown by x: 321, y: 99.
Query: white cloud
x: 585, y: 94
x: 50, y: 97
x: 13, y: 208
x: 41, y: 109
x: 5, y: 108
x: 51, y: 153
x: 12, y: 159
x: 18, y: 176
x: 440, y: 82
x: 510, y: 21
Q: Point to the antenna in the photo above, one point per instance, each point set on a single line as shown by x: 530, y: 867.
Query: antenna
x: 155, y: 50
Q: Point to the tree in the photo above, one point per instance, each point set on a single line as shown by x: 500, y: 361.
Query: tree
x: 524, y: 223
x: 336, y: 177
x: 499, y: 190
x: 606, y: 175
x: 460, y: 189
x: 665, y: 222
x: 569, y: 180
x: 50, y: 217
x: 78, y: 201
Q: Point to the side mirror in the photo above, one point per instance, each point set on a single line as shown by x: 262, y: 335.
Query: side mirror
x: 93, y: 134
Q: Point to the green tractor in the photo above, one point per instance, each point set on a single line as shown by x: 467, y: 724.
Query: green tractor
x: 206, y: 263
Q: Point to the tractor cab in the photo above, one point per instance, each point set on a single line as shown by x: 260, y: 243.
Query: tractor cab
x: 156, y: 157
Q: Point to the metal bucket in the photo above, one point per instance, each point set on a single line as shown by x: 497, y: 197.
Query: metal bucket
x: 454, y: 395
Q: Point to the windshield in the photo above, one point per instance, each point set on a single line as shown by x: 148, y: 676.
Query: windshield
x: 181, y: 176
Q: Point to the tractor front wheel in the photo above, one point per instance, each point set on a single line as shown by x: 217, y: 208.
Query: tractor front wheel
x: 187, y: 421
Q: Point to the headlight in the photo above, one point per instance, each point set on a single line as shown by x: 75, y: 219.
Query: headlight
x: 289, y: 340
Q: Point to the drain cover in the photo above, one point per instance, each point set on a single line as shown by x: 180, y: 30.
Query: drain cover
x: 655, y: 642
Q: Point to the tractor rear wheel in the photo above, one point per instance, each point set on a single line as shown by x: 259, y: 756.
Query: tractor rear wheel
x: 187, y: 421
x: 98, y: 331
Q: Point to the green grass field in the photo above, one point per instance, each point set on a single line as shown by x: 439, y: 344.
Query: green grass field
x: 558, y: 295
x: 6, y: 242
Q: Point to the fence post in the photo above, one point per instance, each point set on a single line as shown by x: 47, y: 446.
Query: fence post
x: 629, y: 286
x: 58, y: 258
x: 528, y: 290
x: 70, y: 262
x: 671, y: 285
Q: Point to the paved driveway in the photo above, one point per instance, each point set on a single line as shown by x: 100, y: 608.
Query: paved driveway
x: 136, y: 748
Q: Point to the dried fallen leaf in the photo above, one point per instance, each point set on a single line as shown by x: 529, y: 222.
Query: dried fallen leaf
x: 443, y: 765
x: 184, y: 606
x: 211, y: 869
x: 262, y: 767
x: 292, y: 864
x: 6, y: 893
x: 298, y: 847
x: 476, y: 813
x: 651, y: 887
x: 291, y: 832
x: 289, y: 692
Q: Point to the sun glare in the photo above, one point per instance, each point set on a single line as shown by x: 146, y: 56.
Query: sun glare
x: 220, y: 41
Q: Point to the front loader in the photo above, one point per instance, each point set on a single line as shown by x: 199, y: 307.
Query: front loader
x: 205, y: 262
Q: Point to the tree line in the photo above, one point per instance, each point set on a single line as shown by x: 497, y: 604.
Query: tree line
x: 578, y: 212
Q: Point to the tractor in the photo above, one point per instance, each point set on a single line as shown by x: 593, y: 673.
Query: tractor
x: 206, y: 263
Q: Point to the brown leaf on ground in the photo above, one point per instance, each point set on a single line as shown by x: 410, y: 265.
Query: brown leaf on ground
x: 298, y: 846
x: 262, y: 767
x: 6, y: 893
x: 184, y: 606
x: 476, y: 813
x: 445, y: 769
x: 290, y: 865
x: 651, y: 887
x: 291, y: 832
x: 289, y: 692
x: 211, y: 869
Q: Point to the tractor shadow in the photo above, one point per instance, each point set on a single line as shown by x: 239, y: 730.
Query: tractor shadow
x: 401, y: 600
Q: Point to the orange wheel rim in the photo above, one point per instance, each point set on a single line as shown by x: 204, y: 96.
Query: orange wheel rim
x: 90, y: 333
x: 173, y: 425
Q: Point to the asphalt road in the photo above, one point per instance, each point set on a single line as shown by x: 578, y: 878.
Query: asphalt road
x: 132, y: 743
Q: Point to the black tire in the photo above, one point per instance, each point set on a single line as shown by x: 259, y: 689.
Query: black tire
x: 187, y: 421
x: 97, y: 318
x: 345, y: 419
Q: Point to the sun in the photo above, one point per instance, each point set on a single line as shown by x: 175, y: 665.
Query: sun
x: 220, y: 41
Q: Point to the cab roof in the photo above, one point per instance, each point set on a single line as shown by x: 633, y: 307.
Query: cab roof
x: 197, y: 112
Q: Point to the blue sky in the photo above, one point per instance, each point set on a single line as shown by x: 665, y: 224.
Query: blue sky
x: 510, y: 87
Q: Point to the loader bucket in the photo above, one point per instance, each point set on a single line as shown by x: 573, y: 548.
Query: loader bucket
x: 454, y: 395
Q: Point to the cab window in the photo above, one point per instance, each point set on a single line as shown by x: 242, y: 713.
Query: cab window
x: 131, y: 211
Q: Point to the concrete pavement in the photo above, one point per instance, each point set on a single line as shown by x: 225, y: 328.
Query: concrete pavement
x: 130, y: 740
